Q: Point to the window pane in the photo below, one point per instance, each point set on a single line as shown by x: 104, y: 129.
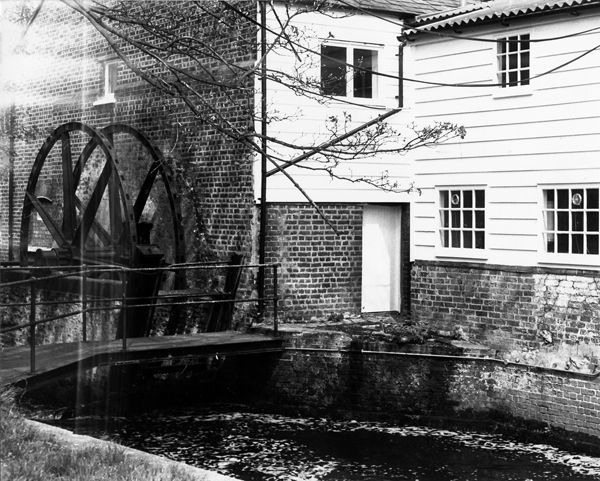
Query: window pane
x: 363, y: 77
x: 513, y: 77
x: 550, y: 243
x: 525, y: 60
x: 455, y: 238
x: 525, y: 41
x: 113, y: 71
x: 577, y: 221
x: 444, y: 218
x: 467, y: 218
x: 592, y: 198
x: 333, y: 70
x: 592, y: 244
x: 512, y: 62
x: 455, y: 198
x: 468, y: 198
x: 455, y: 218
x: 549, y: 195
x: 524, y: 77
x: 479, y: 240
x: 479, y: 199
x: 592, y: 222
x: 479, y: 219
x: 513, y: 45
x: 445, y: 236
x: 563, y: 243
x: 502, y: 79
x: 444, y: 198
x: 549, y: 220
x: 577, y: 199
x: 503, y: 63
x: 563, y: 198
x: 577, y: 243
x: 468, y: 239
x: 563, y: 220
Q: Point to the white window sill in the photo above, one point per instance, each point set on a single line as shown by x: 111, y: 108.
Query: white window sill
x: 577, y: 260
x: 510, y: 92
x: 106, y: 100
x: 468, y: 254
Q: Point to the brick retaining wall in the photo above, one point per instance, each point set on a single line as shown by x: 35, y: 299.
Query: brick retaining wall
x: 394, y: 384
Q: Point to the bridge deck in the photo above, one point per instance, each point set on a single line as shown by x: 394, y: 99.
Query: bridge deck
x: 54, y: 360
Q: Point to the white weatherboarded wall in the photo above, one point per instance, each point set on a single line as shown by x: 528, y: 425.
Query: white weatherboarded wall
x: 519, y: 139
x: 302, y: 120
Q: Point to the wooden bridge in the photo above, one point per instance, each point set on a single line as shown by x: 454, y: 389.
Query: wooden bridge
x: 160, y: 352
x: 35, y: 364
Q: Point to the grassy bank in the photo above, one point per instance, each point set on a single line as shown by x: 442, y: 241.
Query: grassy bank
x: 30, y: 454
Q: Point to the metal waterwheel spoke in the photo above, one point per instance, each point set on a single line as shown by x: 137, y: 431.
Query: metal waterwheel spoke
x: 53, y: 229
x: 89, y: 214
x: 96, y: 227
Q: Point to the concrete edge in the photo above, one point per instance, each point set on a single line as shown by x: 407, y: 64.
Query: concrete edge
x: 81, y: 441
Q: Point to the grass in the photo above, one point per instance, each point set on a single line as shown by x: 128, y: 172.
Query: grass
x: 29, y: 455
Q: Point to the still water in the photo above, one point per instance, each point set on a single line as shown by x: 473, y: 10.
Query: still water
x: 254, y: 447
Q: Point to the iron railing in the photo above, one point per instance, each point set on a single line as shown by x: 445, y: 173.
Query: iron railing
x: 37, y: 278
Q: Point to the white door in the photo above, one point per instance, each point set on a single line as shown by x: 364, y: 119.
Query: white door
x: 381, y: 258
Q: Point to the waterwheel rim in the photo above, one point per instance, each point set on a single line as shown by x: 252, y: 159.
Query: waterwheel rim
x: 72, y: 235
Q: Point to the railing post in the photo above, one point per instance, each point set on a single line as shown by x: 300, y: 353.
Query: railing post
x: 32, y: 335
x: 275, y: 299
x: 124, y: 308
x: 83, y: 304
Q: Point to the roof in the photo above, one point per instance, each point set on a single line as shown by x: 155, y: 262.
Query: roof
x: 409, y: 7
x: 483, y: 11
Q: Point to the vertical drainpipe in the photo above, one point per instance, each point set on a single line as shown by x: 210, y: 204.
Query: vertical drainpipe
x: 401, y: 74
x: 263, y: 159
x: 11, y: 180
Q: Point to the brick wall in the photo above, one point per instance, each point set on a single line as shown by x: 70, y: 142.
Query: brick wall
x: 215, y: 171
x: 334, y: 377
x: 505, y: 306
x: 321, y: 271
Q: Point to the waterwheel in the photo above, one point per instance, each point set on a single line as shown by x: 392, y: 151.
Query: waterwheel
x: 79, y: 209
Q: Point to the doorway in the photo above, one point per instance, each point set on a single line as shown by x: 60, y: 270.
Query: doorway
x: 381, y: 258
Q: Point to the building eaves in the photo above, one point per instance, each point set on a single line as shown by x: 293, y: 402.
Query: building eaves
x: 480, y: 12
x: 402, y: 7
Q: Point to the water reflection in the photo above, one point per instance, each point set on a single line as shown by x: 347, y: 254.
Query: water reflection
x: 253, y: 446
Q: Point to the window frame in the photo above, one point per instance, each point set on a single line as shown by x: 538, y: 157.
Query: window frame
x: 562, y: 258
x: 470, y: 253
x: 503, y: 73
x: 109, y: 81
x: 511, y: 90
x: 350, y: 48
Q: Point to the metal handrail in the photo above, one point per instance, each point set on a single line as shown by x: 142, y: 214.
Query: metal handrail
x: 108, y: 303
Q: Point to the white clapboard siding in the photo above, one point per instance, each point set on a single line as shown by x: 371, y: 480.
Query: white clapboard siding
x: 301, y: 120
x: 518, y: 140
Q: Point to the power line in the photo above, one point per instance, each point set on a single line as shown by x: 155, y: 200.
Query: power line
x: 408, y: 79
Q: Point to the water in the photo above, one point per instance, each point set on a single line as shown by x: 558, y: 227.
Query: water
x: 266, y: 447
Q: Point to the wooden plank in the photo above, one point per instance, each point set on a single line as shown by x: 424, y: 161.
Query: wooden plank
x: 53, y: 360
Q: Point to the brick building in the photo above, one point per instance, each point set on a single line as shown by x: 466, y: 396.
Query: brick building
x: 57, y: 67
